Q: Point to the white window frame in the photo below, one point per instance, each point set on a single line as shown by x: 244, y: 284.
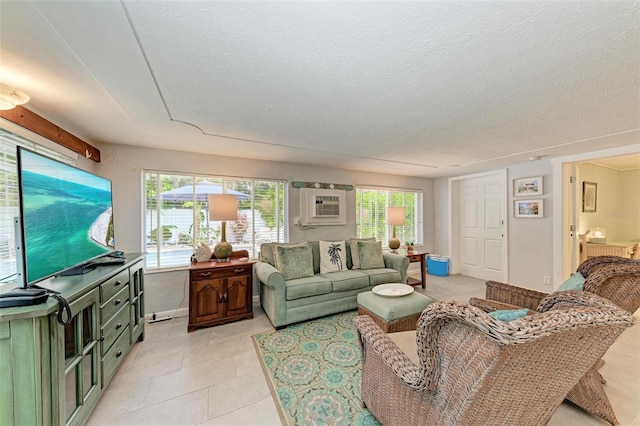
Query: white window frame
x: 418, y: 225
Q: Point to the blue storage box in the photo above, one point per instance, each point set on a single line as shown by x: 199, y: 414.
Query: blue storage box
x: 438, y: 265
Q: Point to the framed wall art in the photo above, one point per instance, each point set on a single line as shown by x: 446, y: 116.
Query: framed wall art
x: 528, y: 208
x: 589, y: 196
x: 527, y: 186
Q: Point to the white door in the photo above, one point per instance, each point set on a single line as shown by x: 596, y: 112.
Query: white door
x: 482, y: 249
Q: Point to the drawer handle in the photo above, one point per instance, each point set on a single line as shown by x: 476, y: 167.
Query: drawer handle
x: 118, y: 354
x: 102, y: 338
x: 118, y: 325
x: 118, y: 301
x: 237, y: 271
x: 205, y: 274
x: 118, y: 283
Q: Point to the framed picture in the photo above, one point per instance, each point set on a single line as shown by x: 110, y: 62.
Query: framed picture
x: 589, y: 196
x: 528, y: 208
x: 527, y: 186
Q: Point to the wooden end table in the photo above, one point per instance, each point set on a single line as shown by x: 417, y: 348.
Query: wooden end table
x: 418, y: 256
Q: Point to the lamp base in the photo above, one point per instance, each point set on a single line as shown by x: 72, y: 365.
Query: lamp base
x: 394, y: 244
x: 223, y: 251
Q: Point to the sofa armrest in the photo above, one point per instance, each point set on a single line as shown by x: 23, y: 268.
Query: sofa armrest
x: 269, y: 275
x: 398, y: 262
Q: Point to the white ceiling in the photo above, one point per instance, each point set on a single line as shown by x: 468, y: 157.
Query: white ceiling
x: 416, y: 88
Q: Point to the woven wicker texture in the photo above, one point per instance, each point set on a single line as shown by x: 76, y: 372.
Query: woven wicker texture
x: 400, y: 324
x: 614, y: 278
x: 475, y: 369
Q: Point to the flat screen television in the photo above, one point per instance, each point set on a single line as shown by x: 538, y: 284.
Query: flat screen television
x: 66, y: 217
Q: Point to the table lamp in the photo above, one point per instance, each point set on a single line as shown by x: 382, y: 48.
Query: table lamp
x: 223, y: 207
x: 395, y: 216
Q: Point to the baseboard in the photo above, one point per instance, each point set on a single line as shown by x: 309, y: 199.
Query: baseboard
x: 182, y: 312
x: 174, y: 313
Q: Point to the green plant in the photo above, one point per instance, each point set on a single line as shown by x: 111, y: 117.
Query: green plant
x: 166, y: 233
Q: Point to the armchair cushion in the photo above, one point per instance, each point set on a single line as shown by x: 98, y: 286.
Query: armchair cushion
x: 294, y: 261
x: 509, y: 314
x: 370, y: 254
x: 574, y: 282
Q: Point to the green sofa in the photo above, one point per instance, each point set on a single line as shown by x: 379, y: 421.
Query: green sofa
x: 290, y: 301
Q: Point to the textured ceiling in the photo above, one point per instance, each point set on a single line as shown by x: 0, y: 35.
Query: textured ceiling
x: 423, y: 89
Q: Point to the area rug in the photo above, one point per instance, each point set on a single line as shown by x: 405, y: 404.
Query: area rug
x: 314, y: 370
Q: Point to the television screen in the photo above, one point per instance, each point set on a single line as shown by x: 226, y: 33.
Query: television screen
x: 65, y: 215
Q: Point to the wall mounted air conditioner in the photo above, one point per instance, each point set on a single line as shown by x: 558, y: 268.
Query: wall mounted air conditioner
x: 322, y: 207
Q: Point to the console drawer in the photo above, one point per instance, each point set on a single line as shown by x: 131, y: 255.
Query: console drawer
x: 114, y: 357
x: 115, y: 303
x: 222, y: 273
x: 113, y: 328
x: 113, y: 285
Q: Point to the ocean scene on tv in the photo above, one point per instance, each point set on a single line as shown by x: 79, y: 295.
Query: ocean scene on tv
x: 67, y: 216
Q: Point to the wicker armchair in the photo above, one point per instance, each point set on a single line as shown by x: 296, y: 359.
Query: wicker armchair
x: 475, y: 369
x: 612, y: 277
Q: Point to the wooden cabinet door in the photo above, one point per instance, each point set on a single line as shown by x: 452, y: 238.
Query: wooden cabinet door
x: 209, y: 300
x: 238, y: 295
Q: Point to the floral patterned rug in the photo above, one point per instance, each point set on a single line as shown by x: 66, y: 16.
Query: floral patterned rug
x: 313, y: 370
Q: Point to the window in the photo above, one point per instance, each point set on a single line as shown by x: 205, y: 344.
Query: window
x: 9, y: 208
x: 371, y: 206
x: 177, y: 219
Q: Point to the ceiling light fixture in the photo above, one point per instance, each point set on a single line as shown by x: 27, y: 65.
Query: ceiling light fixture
x: 10, y: 97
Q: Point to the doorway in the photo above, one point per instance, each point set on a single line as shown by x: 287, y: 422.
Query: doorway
x: 479, y: 231
x: 569, y: 221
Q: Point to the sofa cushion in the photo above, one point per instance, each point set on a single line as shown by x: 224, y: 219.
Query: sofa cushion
x: 370, y: 254
x: 347, y: 280
x: 294, y: 261
x: 382, y: 275
x: 308, y: 286
x: 271, y: 256
x: 333, y: 256
x: 353, y: 245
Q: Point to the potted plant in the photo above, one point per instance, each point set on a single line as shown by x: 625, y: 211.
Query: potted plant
x: 409, y: 245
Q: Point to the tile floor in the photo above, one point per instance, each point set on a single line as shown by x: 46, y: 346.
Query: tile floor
x: 213, y: 377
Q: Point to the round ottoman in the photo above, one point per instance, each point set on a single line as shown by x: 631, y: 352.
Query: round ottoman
x: 393, y: 313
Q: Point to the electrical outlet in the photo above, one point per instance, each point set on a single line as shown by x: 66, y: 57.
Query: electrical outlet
x: 546, y: 279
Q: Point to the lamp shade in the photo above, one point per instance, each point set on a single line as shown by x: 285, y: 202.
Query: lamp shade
x: 395, y: 215
x: 223, y: 207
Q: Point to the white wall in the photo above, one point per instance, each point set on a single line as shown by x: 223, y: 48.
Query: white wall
x: 530, y: 240
x: 617, y: 202
x: 124, y: 165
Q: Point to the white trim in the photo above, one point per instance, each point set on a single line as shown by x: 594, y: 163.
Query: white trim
x: 560, y: 188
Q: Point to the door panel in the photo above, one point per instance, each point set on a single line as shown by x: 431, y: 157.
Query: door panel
x: 482, y: 230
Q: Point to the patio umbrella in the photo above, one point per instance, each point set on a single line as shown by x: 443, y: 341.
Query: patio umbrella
x: 202, y: 191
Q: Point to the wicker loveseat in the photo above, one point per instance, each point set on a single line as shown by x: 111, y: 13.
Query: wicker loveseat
x: 475, y: 369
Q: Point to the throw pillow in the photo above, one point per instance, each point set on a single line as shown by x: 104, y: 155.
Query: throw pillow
x: 509, y: 314
x: 574, y: 282
x: 333, y: 256
x: 355, y: 257
x: 370, y: 253
x: 275, y: 246
x: 295, y: 261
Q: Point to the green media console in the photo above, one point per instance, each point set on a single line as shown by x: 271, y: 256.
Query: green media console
x: 52, y: 374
